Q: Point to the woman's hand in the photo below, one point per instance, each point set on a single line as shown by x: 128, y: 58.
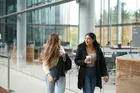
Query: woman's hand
x: 51, y: 79
x: 106, y: 79
x: 63, y: 55
x: 87, y: 60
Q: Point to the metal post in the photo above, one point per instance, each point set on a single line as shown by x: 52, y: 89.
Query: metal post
x: 8, y: 57
x: 119, y: 29
x: 69, y: 79
x: 8, y: 72
x: 109, y: 22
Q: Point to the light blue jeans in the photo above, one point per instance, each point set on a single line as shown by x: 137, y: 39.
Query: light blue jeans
x: 90, y: 80
x: 59, y: 84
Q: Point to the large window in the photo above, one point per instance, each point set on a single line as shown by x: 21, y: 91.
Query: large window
x: 116, y: 19
x: 56, y: 19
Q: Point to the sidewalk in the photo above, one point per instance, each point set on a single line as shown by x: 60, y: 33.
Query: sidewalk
x: 31, y: 79
x: 21, y: 83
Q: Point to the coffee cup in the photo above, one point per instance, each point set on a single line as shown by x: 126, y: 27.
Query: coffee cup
x: 88, y: 57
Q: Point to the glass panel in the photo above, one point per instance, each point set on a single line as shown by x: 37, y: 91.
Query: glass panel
x: 74, y: 36
x: 97, y: 32
x: 3, y: 43
x: 113, y: 36
x: 102, y: 36
x: 40, y: 23
x: 29, y: 3
x: 113, y: 11
x: 127, y: 11
x: 11, y: 6
x: 137, y: 13
x: 65, y: 17
x: 126, y: 35
x: 97, y: 11
x: 4, y: 54
x: 2, y: 7
x: 105, y: 12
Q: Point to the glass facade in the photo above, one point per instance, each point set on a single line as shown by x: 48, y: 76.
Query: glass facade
x: 55, y: 19
x: 115, y: 20
x: 128, y: 12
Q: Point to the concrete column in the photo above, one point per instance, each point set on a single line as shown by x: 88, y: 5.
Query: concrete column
x: 119, y: 29
x: 86, y: 18
x: 21, y: 35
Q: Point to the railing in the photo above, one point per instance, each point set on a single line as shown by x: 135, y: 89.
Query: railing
x: 36, y: 71
x: 8, y: 69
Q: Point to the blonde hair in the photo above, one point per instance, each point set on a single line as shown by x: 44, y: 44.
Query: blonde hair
x: 51, y: 50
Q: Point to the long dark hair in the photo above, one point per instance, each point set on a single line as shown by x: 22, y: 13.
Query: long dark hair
x: 93, y: 36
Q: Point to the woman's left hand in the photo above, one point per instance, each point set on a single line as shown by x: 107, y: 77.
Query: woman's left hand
x: 106, y: 79
x: 63, y: 55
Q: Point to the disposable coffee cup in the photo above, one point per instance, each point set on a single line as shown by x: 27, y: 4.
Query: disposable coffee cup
x: 88, y: 57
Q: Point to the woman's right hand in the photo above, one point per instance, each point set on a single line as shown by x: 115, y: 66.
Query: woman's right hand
x: 87, y: 60
x: 51, y: 79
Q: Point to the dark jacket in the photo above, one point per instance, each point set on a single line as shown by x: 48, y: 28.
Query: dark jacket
x: 63, y: 66
x: 101, y: 69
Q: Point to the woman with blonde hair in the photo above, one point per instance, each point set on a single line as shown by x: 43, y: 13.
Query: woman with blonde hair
x: 50, y: 57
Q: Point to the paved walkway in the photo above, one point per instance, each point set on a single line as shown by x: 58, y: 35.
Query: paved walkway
x: 31, y: 80
x: 22, y: 83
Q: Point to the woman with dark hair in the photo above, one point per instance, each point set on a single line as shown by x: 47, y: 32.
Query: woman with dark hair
x: 50, y: 59
x: 92, y: 64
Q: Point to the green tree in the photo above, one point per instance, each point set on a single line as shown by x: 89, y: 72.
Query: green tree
x: 126, y: 14
x: 125, y: 18
x: 136, y: 15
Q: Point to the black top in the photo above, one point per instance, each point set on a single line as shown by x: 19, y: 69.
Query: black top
x: 101, y: 69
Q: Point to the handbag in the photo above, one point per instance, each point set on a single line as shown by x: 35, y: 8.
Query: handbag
x: 63, y: 66
x: 68, y: 63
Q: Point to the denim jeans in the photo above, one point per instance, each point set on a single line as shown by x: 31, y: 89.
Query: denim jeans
x: 90, y: 80
x: 59, y: 84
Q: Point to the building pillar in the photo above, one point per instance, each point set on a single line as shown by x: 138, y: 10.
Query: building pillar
x: 21, y: 35
x: 86, y: 18
x: 119, y: 29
